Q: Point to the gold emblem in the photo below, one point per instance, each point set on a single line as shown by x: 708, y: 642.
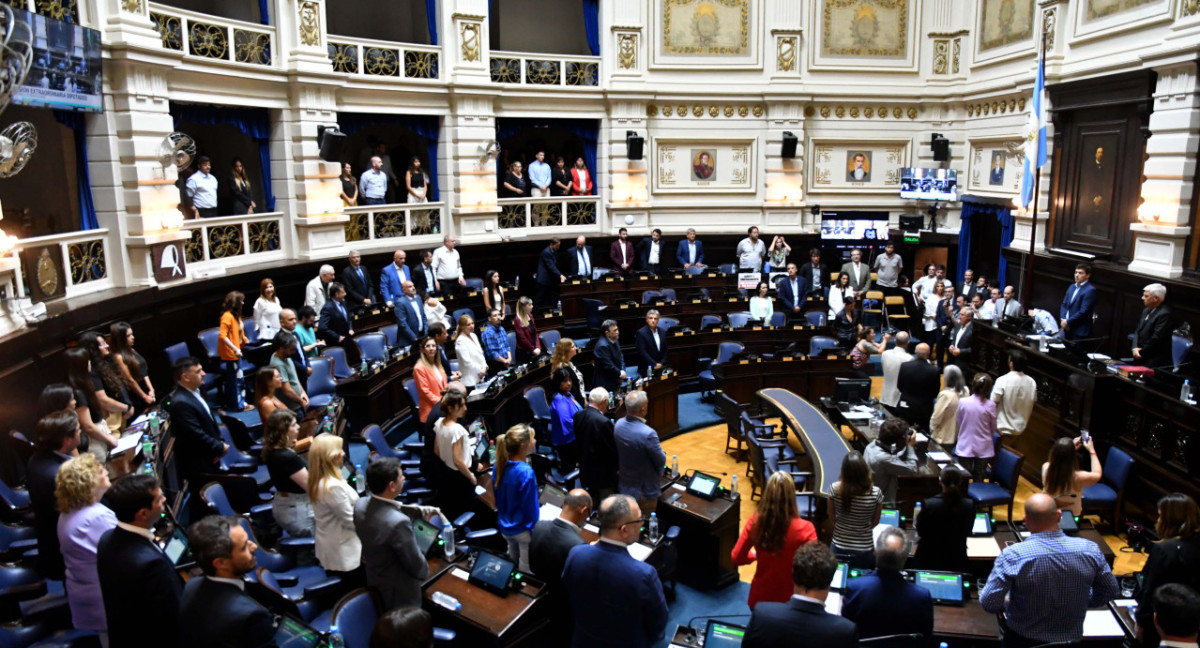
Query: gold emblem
x: 47, y: 273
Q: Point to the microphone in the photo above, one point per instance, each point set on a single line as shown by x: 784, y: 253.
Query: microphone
x: 912, y: 635
x: 717, y: 616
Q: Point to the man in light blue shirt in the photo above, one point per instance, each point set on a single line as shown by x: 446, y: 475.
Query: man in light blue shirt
x: 202, y: 190
x: 373, y: 183
x: 539, y: 176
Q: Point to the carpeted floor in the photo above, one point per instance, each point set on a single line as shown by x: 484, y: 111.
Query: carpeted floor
x: 694, y: 414
x: 690, y: 603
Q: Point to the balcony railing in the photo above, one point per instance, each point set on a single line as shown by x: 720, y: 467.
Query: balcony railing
x: 379, y: 222
x: 233, y: 240
x: 213, y: 37
x: 82, y: 255
x: 567, y: 211
x: 382, y: 59
x: 543, y: 70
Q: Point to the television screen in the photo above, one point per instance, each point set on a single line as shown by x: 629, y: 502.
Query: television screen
x: 66, y: 66
x: 929, y: 184
x: 854, y: 226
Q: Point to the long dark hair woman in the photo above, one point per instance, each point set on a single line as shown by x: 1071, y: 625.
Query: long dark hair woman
x: 131, y: 365
x: 855, y: 508
x: 1174, y: 559
x: 230, y: 340
x: 91, y: 402
x: 944, y: 524
x: 1061, y: 477
x: 771, y: 537
x: 239, y: 187
x: 289, y: 474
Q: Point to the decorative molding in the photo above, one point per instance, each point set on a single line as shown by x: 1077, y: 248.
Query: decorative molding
x: 867, y: 112
x: 941, y: 56
x: 712, y: 110
x: 836, y: 163
x: 996, y: 107
x: 703, y: 165
x: 1050, y: 25
x: 132, y: 6
x: 469, y: 36
x: 627, y: 51
x: 310, y: 23
x: 1189, y: 8
x: 786, y: 53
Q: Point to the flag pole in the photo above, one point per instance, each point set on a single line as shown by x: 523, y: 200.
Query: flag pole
x: 1027, y: 288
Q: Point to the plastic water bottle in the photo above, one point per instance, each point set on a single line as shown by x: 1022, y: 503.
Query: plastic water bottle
x: 733, y: 491
x: 652, y: 532
x: 154, y: 424
x: 147, y: 449
x: 1185, y: 392
x: 1043, y: 345
x: 916, y: 513
x: 445, y: 600
x: 674, y: 465
x: 448, y: 542
x: 148, y: 468
x: 335, y: 638
x: 362, y: 368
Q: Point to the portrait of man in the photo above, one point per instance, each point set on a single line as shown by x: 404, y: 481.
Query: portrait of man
x: 858, y: 166
x: 997, y: 175
x: 703, y: 164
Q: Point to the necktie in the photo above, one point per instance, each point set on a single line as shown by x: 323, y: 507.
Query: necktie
x: 343, y: 312
x: 1074, y: 295
x: 360, y: 277
x: 583, y: 263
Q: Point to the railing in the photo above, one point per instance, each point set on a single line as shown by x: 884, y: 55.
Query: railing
x: 81, y: 255
x: 566, y: 211
x: 213, y: 37
x: 542, y: 70
x: 233, y: 240
x: 376, y: 222
x: 59, y: 9
x: 368, y: 58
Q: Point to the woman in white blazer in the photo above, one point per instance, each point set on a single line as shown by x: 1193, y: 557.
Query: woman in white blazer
x: 338, y: 548
x: 471, y: 361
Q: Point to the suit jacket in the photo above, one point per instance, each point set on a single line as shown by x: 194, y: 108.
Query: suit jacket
x: 358, y: 289
x: 884, y: 604
x: 213, y: 614
x: 40, y: 476
x: 781, y: 624
x: 650, y: 354
x: 390, y: 556
x: 919, y: 383
x: 571, y: 258
x: 613, y: 594
x: 391, y: 281
x: 597, y: 449
x: 609, y: 363
x: 410, y: 325
x: 681, y: 253
x: 547, y: 271
x: 784, y: 289
x: 197, y: 437
x: 863, y: 283
x: 964, y: 347
x: 333, y: 323
x: 552, y: 541
x: 1153, y: 337
x: 640, y: 459
x: 140, y: 587
x: 970, y: 293
x: 1078, y: 312
x: 418, y: 279
x: 806, y: 271
x: 614, y: 253
x: 943, y: 528
x: 242, y: 196
x: 942, y: 319
x: 643, y: 253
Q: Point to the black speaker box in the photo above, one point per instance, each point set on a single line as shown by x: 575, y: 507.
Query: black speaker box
x: 331, y: 141
x: 941, y: 149
x: 789, y: 145
x: 634, y: 144
x: 911, y: 222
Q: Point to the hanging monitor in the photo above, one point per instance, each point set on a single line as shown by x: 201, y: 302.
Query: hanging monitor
x: 929, y: 184
x: 66, y: 70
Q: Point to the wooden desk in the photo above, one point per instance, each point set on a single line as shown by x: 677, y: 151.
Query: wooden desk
x: 380, y: 397
x: 485, y: 619
x: 1087, y: 531
x: 822, y: 441
x: 708, y: 530
x: 685, y: 349
x: 808, y: 378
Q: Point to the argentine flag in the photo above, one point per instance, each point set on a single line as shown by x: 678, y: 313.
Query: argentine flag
x: 1035, y: 137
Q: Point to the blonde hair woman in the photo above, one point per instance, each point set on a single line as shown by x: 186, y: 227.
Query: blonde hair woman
x: 564, y: 352
x: 82, y: 520
x: 528, y: 344
x: 516, y: 492
x: 471, y: 361
x: 771, y: 537
x: 337, y: 545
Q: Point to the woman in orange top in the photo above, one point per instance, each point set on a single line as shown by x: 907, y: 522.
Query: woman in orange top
x: 430, y: 377
x: 772, y: 536
x: 229, y: 349
x: 581, y: 179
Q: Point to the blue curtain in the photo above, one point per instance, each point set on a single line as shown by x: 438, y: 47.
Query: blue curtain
x: 77, y: 122
x: 1006, y: 236
x: 591, y: 23
x: 254, y: 122
x: 264, y: 16
x: 429, y: 127
x: 587, y: 130
x: 431, y: 17
x: 972, y: 210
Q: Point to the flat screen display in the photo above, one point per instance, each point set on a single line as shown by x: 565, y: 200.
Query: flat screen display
x: 944, y: 588
x: 177, y: 549
x: 890, y: 517
x: 704, y: 485
x: 491, y: 572
x: 854, y: 226
x: 295, y: 634
x: 929, y: 184
x: 982, y: 526
x: 723, y: 635
x: 66, y: 72
x: 839, y: 577
x: 426, y: 535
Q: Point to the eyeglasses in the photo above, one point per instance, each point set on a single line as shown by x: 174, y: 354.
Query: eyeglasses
x: 640, y: 522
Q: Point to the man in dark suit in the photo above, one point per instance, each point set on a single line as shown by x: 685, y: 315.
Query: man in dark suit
x: 597, y: 447
x: 815, y: 273
x: 621, y: 253
x: 393, y: 563
x: 140, y: 587
x: 57, y: 441
x: 423, y: 277
x: 884, y: 603
x: 961, y: 340
x: 215, y: 609
x: 784, y: 624
x: 967, y: 288
x: 579, y: 260
x: 1152, y: 339
x: 608, y: 359
x: 617, y: 600
x: 335, y: 319
x: 299, y: 360
x: 650, y: 253
x: 198, y: 444
x: 651, y: 346
x: 360, y: 290
x: 410, y: 316
x: 552, y: 541
x: 690, y: 253
x: 548, y: 276
x: 792, y: 291
x: 1075, y: 314
x: 919, y: 382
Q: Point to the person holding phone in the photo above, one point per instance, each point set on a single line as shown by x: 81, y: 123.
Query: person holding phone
x: 1061, y: 476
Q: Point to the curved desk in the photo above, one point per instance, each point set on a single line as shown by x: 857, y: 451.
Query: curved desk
x: 822, y: 441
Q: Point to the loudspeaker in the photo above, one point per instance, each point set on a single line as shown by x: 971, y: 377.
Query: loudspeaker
x: 330, y: 139
x: 941, y: 148
x: 911, y: 222
x: 789, y: 145
x: 633, y: 145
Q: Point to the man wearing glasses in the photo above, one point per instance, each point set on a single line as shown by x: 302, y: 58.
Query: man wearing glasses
x: 618, y: 601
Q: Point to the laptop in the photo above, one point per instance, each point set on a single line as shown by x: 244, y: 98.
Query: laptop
x: 703, y: 485
x: 839, y: 577
x: 428, y: 537
x: 719, y: 634
x: 491, y: 572
x: 293, y: 633
x: 890, y: 517
x: 982, y: 525
x: 946, y: 588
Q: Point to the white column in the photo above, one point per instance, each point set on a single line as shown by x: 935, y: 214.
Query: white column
x: 625, y: 189
x: 306, y: 186
x: 471, y: 190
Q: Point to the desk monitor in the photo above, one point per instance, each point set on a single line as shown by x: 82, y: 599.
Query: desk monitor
x: 551, y: 493
x: 719, y: 634
x: 293, y: 633
x: 426, y: 535
x: 839, y: 577
x: 851, y: 390
x: 946, y: 588
x: 1067, y: 523
x: 890, y: 517
x: 177, y: 549
x: 481, y: 452
x: 982, y: 526
x: 703, y: 485
x: 491, y: 572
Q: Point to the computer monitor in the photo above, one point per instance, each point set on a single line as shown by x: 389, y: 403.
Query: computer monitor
x: 982, y: 525
x: 1067, y: 523
x: 839, y: 577
x: 851, y: 390
x: 946, y: 588
x: 293, y: 633
x: 719, y: 634
x: 890, y: 517
x: 704, y: 485
x: 426, y: 535
x: 491, y: 572
x: 177, y: 549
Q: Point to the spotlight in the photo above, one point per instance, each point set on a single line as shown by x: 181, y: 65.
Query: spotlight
x: 815, y: 210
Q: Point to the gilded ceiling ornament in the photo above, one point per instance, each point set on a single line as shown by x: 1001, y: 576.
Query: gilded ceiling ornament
x: 713, y: 111
x: 651, y: 111
x: 667, y: 110
x: 825, y: 111
x: 698, y: 110
x: 882, y: 112
x: 897, y: 112
x: 809, y: 111
x: 758, y: 111
x: 912, y: 113
x: 681, y: 110
x: 840, y: 111
x: 854, y: 111
x: 729, y: 111
x: 743, y: 111
x: 868, y: 112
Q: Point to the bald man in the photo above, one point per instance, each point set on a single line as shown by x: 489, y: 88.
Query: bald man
x: 1050, y: 580
x: 287, y: 322
x: 919, y: 382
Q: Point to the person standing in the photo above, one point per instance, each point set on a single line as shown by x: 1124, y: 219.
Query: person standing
x: 360, y: 289
x: 548, y: 550
x: 423, y: 277
x: 1177, y: 618
x: 976, y: 425
x: 793, y: 291
x: 651, y: 346
x: 690, y: 253
x: 515, y: 183
x: 373, y: 184
x: 1061, y: 477
x: 891, y: 359
x: 803, y: 615
x: 529, y: 345
x: 291, y: 507
x: 891, y: 456
x: 621, y: 253
x: 335, y: 325
x: 778, y: 254
x: 918, y: 381
x: 579, y: 259
x: 57, y: 442
x: 267, y: 310
x: 750, y: 252
x: 1075, y: 314
x: 1014, y: 394
x: 855, y: 509
x: 563, y: 408
x: 516, y: 492
x: 771, y: 537
x: 495, y: 343
x: 411, y: 323
x: 230, y: 341
x: 472, y: 363
x: 539, y: 176
x: 609, y: 360
x: 349, y: 193
x: 215, y: 609
x: 650, y: 252
x: 560, y: 178
x: 884, y: 603
x: 581, y: 179
x: 202, y: 189
x: 860, y: 275
x: 1174, y: 559
x: 82, y: 521
x: 394, y: 565
x: 1152, y: 339
x: 943, y: 423
x: 945, y: 523
x: 549, y: 277
x: 597, y: 446
x: 962, y: 338
x: 447, y: 266
x: 416, y: 181
x: 815, y: 273
x: 887, y: 269
x: 640, y: 457
x: 239, y: 186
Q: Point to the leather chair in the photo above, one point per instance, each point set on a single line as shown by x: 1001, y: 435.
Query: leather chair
x: 815, y: 318
x: 1108, y: 495
x: 668, y: 293
x: 536, y: 397
x: 727, y: 268
x: 459, y: 312
x: 739, y: 319
x: 778, y: 319
x: 389, y: 333
x: 666, y: 324
x: 549, y: 341
x: 475, y: 283
x: 591, y: 309
x: 321, y: 385
x: 1179, y: 348
x: 341, y: 364
x: 731, y: 411
x: 245, y: 502
x: 1006, y: 471
x: 371, y: 347
x: 709, y: 321
x: 547, y: 471
x: 819, y: 342
x: 179, y: 351
x: 708, y: 383
x: 650, y: 296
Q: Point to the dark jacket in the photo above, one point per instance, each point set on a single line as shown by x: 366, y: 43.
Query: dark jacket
x: 1170, y: 561
x: 332, y: 323
x: 609, y: 362
x: 40, y: 475
x: 614, y: 254
x: 242, y: 196
x: 618, y: 601
x: 885, y: 604
x: 642, y: 252
x: 552, y: 541
x: 943, y: 528
x: 141, y: 590
x: 418, y: 278
x: 213, y: 614
x: 394, y: 565
x: 784, y: 289
x: 1153, y: 337
x: 963, y: 359
x: 411, y: 324
x: 198, y: 443
x: 571, y: 261
x: 547, y: 271
x: 806, y: 271
x: 1078, y: 311
x: 919, y: 383
x: 681, y: 252
x: 649, y: 353
x: 784, y: 624
x: 597, y: 450
x: 357, y: 289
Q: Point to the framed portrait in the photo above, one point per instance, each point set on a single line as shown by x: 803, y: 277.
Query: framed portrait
x: 993, y: 169
x: 1005, y: 29
x: 996, y: 175
x: 703, y: 161
x: 1096, y: 18
x: 852, y: 33
x: 858, y: 166
x: 710, y: 165
x: 721, y: 33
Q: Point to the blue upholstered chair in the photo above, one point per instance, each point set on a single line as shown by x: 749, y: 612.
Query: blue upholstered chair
x: 321, y: 385
x: 819, y: 342
x: 1107, y: 496
x: 341, y: 364
x: 709, y: 321
x: 1005, y: 473
x: 708, y: 383
x: 389, y: 333
x: 370, y: 347
x: 739, y: 319
x: 815, y: 318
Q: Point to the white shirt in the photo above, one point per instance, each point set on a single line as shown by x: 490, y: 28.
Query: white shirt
x: 266, y: 318
x: 585, y: 264
x: 750, y: 254
x: 445, y: 438
x: 315, y: 296
x: 961, y: 330
x: 1044, y: 322
x: 447, y: 264
x: 691, y: 251
x: 142, y: 531
x: 988, y: 310
x: 200, y: 397
x: 202, y: 189
x: 891, y: 361
x: 655, y: 248
x: 337, y: 545
x: 1014, y: 394
x: 924, y: 285
x: 657, y: 344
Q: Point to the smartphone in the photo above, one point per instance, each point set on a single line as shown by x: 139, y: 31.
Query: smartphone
x: 673, y: 498
x: 1084, y: 436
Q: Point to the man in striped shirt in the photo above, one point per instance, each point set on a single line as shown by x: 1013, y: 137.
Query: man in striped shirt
x: 495, y: 343
x: 1050, y: 580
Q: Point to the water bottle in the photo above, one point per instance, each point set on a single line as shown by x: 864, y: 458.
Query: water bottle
x: 674, y: 465
x: 359, y: 482
x: 448, y: 542
x: 733, y: 491
x: 147, y: 449
x: 445, y: 600
x: 1185, y: 392
x: 652, y: 533
x: 329, y: 411
x: 153, y: 424
x: 362, y: 368
x: 1043, y: 345
x: 148, y: 468
x: 916, y: 513
x: 491, y: 453
x: 335, y: 638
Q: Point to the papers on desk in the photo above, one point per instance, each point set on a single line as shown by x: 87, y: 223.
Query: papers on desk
x: 548, y: 512
x: 833, y: 603
x: 592, y: 527
x: 461, y: 573
x: 127, y: 443
x: 939, y: 456
x: 639, y: 551
x: 859, y: 413
x: 985, y: 547
x: 1102, y: 623
x: 920, y: 437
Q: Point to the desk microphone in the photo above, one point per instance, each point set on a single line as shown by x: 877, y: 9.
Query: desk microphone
x: 912, y: 635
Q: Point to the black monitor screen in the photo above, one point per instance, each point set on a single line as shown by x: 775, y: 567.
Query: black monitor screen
x: 851, y: 390
x: 929, y: 184
x: 704, y: 485
x: 723, y: 635
x: 177, y: 549
x: 66, y: 66
x: 426, y: 535
x: 941, y: 586
x: 491, y: 571
x: 295, y: 634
